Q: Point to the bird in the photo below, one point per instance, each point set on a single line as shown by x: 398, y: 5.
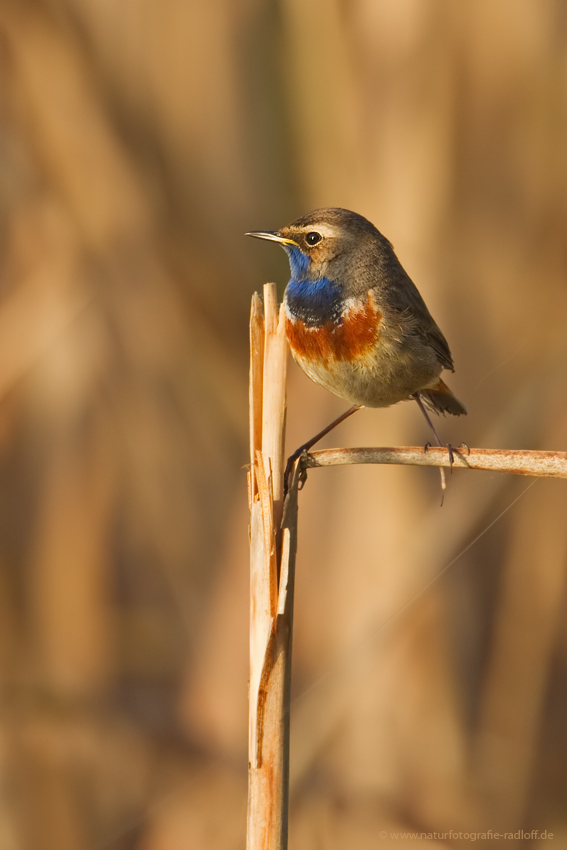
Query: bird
x: 355, y: 321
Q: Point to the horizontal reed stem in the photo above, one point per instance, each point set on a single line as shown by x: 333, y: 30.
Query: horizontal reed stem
x: 520, y: 462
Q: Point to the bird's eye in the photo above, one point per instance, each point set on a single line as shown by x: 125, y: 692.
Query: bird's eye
x: 313, y: 237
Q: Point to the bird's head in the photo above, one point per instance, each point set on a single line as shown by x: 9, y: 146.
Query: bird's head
x: 326, y: 243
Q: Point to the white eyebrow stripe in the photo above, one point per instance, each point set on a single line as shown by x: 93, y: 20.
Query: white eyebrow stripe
x: 327, y: 230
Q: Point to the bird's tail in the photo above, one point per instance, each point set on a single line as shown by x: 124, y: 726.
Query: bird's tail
x: 440, y: 399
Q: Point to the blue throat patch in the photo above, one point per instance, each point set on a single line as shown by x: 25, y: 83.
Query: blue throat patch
x: 298, y: 261
x: 315, y: 302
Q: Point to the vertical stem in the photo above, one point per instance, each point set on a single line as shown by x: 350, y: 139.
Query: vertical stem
x: 272, y: 557
x: 274, y: 398
x: 255, y: 395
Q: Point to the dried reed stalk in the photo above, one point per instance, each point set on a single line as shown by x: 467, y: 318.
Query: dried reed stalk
x: 538, y: 464
x: 272, y: 559
x: 273, y: 542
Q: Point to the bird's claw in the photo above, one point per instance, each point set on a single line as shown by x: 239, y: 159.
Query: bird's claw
x: 456, y: 451
x: 299, y: 453
x: 451, y: 451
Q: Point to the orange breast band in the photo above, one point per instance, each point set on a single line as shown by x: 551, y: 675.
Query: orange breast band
x: 348, y: 339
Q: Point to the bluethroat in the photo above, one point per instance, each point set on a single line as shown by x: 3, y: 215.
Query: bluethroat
x: 355, y: 322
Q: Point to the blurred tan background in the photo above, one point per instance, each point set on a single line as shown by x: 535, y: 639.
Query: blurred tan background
x: 139, y: 139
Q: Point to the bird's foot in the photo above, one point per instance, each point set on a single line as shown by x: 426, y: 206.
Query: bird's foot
x: 451, y: 449
x: 456, y: 451
x: 302, y: 474
x: 302, y: 450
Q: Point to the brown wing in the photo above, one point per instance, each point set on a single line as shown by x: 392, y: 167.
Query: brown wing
x: 404, y: 298
x: 440, y: 346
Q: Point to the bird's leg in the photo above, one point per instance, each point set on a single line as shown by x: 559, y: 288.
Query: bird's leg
x: 421, y: 406
x: 310, y: 443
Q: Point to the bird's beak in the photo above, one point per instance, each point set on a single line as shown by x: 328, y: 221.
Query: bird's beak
x: 272, y: 236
